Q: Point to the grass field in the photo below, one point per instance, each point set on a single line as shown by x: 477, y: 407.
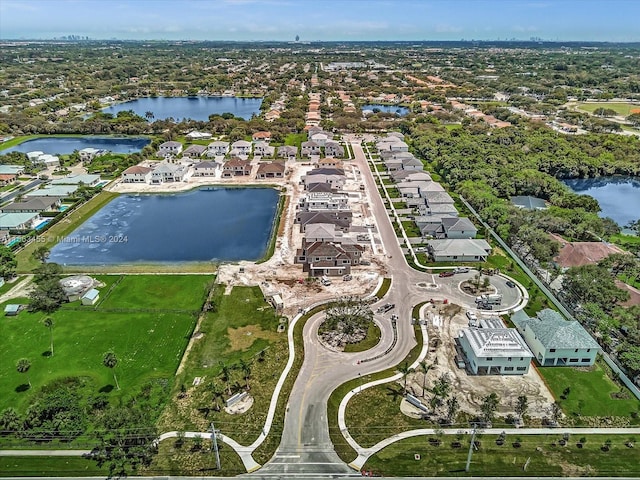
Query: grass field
x: 621, y: 108
x: 148, y: 343
x: 242, y: 326
x: 50, y: 467
x: 544, y: 455
x: 591, y: 392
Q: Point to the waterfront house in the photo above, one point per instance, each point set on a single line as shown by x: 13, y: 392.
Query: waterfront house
x: 33, y: 205
x: 19, y: 221
x: 270, y: 170
x: 236, y: 167
x: 205, y: 169
x: 166, y: 172
x: 89, y: 153
x: 137, y: 174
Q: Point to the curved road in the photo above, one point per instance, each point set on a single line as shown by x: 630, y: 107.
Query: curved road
x: 305, y: 447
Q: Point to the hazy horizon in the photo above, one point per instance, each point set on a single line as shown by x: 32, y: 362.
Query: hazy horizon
x: 329, y: 20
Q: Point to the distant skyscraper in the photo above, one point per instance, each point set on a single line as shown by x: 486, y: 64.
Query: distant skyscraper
x: 297, y: 38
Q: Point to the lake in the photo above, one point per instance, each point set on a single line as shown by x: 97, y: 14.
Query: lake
x: 401, y: 111
x: 195, y: 108
x: 209, y: 224
x: 619, y: 197
x: 66, y: 145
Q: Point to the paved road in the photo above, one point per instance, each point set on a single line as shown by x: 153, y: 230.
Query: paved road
x: 21, y: 190
x: 305, y: 447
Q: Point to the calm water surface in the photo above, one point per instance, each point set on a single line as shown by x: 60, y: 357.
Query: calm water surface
x: 401, y: 111
x: 195, y: 108
x: 201, y: 225
x: 66, y: 145
x: 619, y: 197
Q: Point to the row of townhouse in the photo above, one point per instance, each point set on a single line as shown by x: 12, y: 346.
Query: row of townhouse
x: 240, y: 148
x: 449, y: 238
x: 167, y: 172
x: 324, y: 216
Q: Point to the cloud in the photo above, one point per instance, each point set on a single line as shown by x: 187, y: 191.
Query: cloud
x: 446, y: 28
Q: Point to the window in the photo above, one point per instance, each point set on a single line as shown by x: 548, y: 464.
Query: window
x: 508, y: 369
x: 552, y: 350
x: 489, y: 359
x: 521, y: 369
x: 588, y: 350
x: 576, y: 350
x: 586, y: 360
x: 509, y: 359
x: 521, y: 358
x: 573, y: 360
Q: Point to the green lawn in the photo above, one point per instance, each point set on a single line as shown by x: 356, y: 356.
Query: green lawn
x: 621, y: 108
x: 242, y: 326
x: 148, y: 344
x: 295, y: 140
x: 545, y: 456
x: 49, y: 467
x: 411, y: 229
x: 370, y: 341
x: 591, y: 391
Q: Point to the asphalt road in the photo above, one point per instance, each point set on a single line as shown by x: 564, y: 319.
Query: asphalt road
x: 19, y: 191
x: 305, y: 446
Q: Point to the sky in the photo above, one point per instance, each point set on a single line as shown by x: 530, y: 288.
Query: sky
x: 326, y: 20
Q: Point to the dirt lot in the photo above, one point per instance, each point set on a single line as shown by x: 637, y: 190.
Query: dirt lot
x: 470, y: 389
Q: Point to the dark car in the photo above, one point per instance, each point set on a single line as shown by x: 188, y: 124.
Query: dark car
x: 446, y: 274
x: 510, y: 284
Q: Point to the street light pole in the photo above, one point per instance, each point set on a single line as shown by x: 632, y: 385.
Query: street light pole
x: 473, y: 438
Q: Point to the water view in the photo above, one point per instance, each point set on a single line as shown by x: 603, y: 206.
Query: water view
x: 195, y: 108
x: 211, y: 224
x: 619, y: 197
x: 66, y: 145
x: 400, y: 111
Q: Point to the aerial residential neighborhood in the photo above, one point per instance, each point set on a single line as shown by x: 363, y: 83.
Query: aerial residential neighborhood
x: 317, y: 245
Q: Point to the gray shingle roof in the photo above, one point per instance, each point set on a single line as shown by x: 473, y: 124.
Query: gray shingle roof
x: 553, y: 331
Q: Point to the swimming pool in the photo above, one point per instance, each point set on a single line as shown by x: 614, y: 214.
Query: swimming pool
x: 42, y: 224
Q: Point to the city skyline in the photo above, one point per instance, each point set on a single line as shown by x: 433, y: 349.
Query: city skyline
x: 330, y: 20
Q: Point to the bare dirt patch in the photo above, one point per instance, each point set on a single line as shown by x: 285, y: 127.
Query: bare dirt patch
x: 243, y: 337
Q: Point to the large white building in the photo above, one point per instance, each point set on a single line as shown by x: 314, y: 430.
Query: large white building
x: 556, y: 341
x: 494, y: 351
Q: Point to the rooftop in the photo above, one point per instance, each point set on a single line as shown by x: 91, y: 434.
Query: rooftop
x: 553, y: 331
x: 496, y: 342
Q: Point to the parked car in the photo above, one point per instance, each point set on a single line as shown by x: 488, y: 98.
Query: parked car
x: 484, y: 306
x: 461, y: 270
x: 346, y: 278
x: 510, y: 284
x: 385, y: 308
x: 446, y: 274
x: 421, y: 249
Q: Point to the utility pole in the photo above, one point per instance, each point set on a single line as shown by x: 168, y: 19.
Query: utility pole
x: 214, y: 439
x: 473, y: 438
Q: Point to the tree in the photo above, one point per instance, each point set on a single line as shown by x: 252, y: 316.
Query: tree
x: 22, y: 366
x: 350, y: 312
x: 41, y: 254
x: 47, y: 296
x: 489, y: 407
x: 440, y: 389
x: 10, y: 421
x: 245, y: 367
x: 216, y: 394
x: 48, y: 322
x: 149, y: 115
x: 630, y: 359
x: 452, y: 408
x: 8, y: 263
x: 225, y: 370
x: 110, y: 361
x: 522, y: 405
x: 424, y: 368
x: 634, y: 118
x: 555, y: 411
x: 405, y: 371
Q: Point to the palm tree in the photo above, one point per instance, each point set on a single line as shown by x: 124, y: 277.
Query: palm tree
x: 216, y: 393
x: 149, y: 115
x: 424, y: 369
x: 23, y: 366
x: 452, y: 408
x: 226, y: 375
x: 405, y: 371
x: 110, y: 361
x: 246, y: 370
x: 48, y: 322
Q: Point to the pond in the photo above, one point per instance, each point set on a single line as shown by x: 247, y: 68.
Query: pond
x: 207, y: 225
x: 65, y: 145
x: 619, y: 197
x: 400, y: 111
x: 195, y: 108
